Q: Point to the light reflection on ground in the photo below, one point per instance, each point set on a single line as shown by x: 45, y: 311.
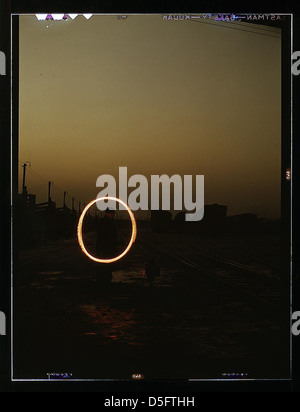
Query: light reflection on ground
x: 111, y: 323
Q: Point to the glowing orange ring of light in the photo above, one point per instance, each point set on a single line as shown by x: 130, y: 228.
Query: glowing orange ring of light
x: 133, y: 232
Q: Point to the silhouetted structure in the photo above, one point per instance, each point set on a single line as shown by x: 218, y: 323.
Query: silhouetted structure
x: 213, y: 222
x: 269, y: 226
x: 161, y: 220
x: 246, y: 223
x: 37, y: 222
x: 181, y: 226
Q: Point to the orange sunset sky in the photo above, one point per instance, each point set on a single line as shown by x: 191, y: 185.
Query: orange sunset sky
x: 157, y: 96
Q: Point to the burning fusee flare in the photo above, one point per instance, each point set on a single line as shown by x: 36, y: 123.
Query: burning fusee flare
x: 133, y: 232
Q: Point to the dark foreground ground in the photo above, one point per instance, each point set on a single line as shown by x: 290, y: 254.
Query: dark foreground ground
x: 188, y: 325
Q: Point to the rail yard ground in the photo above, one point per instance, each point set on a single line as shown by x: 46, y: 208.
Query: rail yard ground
x: 214, y: 311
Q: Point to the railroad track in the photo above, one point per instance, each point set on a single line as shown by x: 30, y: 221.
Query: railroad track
x: 232, y: 263
x: 248, y: 283
x: 50, y: 251
x: 241, y: 279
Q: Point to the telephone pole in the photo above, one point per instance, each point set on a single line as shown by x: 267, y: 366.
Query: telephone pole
x: 65, y: 194
x: 24, y: 176
x: 49, y: 192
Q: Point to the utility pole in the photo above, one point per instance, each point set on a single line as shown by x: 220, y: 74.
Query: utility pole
x: 49, y: 192
x: 24, y: 175
x: 65, y: 194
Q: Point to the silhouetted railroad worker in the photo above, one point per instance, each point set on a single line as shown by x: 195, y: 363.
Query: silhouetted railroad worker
x: 152, y: 270
x: 106, y: 245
